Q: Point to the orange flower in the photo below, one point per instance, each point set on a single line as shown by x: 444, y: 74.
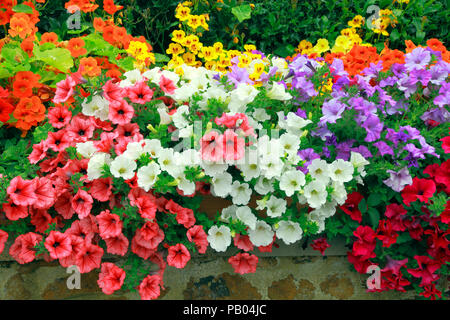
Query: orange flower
x: 113, y: 73
x: 29, y: 112
x: 90, y: 67
x: 30, y: 77
x: 110, y: 7
x: 49, y: 37
x: 436, y: 45
x: 410, y: 46
x: 75, y: 46
x: 99, y: 24
x: 83, y: 5
x: 27, y: 45
x: 20, y: 25
x: 22, y: 89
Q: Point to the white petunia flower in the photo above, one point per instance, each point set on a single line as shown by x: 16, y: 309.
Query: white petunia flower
x: 152, y: 147
x: 292, y: 181
x: 221, y: 184
x: 98, y: 107
x: 261, y: 235
x: 86, y: 149
x: 316, y: 194
x: 96, y: 163
x: 179, y: 117
x: 164, y: 116
x: 289, y: 231
x: 219, y: 238
x: 241, y: 96
x: 278, y: 92
x: 315, y: 217
x: 147, y: 176
x: 250, y: 170
x: 246, y: 216
x: 264, y: 186
x: 240, y: 192
x: 213, y: 168
x: 271, y: 166
x: 319, y: 170
x: 359, y: 162
x: 134, y: 150
x: 260, y: 115
x: 275, y: 207
x: 290, y: 143
x: 227, y: 213
x: 154, y: 75
x: 341, y: 171
x: 123, y: 167
x: 132, y: 77
x: 327, y: 210
x: 166, y: 159
x: 339, y: 193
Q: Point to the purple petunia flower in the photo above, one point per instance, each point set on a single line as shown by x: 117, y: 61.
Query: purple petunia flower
x: 373, y: 128
x: 384, y: 148
x: 398, y: 180
x: 423, y: 76
x: 417, y: 59
x: 332, y: 111
x: 238, y: 76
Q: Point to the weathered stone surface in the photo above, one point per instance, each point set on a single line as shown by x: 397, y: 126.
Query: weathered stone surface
x: 306, y: 290
x: 16, y: 289
x: 58, y: 289
x: 338, y: 286
x: 284, y: 289
x: 223, y: 287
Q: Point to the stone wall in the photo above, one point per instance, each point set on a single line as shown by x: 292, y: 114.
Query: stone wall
x: 286, y: 273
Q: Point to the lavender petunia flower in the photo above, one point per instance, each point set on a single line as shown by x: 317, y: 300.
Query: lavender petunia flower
x: 373, y: 128
x: 422, y: 76
x: 238, y: 76
x: 417, y: 59
x: 384, y: 148
x: 398, y: 180
x: 332, y: 111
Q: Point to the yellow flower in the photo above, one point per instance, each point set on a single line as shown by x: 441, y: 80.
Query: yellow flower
x: 178, y: 36
x: 182, y: 13
x: 356, y: 22
x: 344, y: 42
x: 218, y: 46
x: 208, y: 53
x: 139, y: 50
x: 244, y: 61
x: 210, y: 65
x: 175, y: 49
x: 175, y: 62
x: 189, y: 58
x: 258, y: 68
x: 203, y: 23
x: 195, y: 47
x: 321, y: 46
x: 233, y: 53
x: 194, y: 22
x: 348, y: 32
x: 236, y: 40
x: 303, y: 45
x: 249, y: 47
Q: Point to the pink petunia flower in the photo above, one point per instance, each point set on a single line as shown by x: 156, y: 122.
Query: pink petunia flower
x: 14, y: 212
x: 117, y: 245
x: 149, y: 288
x: 178, y: 256
x: 140, y: 93
x: 109, y: 224
x: 64, y: 90
x: 111, y: 278
x: 82, y: 203
x: 58, y: 244
x: 197, y: 235
x: 59, y: 116
x: 243, y: 263
x: 167, y: 85
x: 112, y: 92
x: 22, y: 192
x: 89, y: 257
x: 45, y: 193
x: 120, y: 112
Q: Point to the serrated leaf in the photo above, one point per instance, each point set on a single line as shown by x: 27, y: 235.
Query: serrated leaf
x: 242, y: 12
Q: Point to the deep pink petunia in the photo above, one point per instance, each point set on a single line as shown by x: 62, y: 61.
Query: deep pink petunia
x: 446, y: 144
x: 3, y: 239
x: 167, y: 85
x: 243, y: 263
x: 350, y: 206
x: 197, y: 235
x: 23, y: 249
x: 147, y: 208
x: 233, y: 146
x: 101, y: 189
x: 396, y: 214
x: 22, y: 192
x: 63, y: 205
x: 111, y: 278
x: 82, y: 203
x: 58, y: 141
x: 149, y: 288
x: 76, y: 245
x: 426, y: 270
x: 39, y: 152
x: 140, y: 93
x: 243, y: 242
x: 59, y: 116
x: 178, y: 256
x: 112, y: 92
x: 320, y: 245
x: 64, y: 90
x: 117, y: 245
x: 120, y: 112
x: 58, y: 244
x: 14, y: 212
x: 212, y: 146
x: 89, y: 257
x: 80, y: 130
x: 45, y: 193
x: 109, y: 224
x: 40, y: 219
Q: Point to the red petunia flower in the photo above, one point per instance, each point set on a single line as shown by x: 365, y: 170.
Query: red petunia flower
x: 111, y: 278
x: 149, y: 288
x: 421, y: 189
x: 243, y: 263
x: 82, y: 203
x: 178, y: 256
x: 22, y: 192
x: 320, y: 245
x: 58, y: 244
x: 120, y: 112
x: 109, y: 224
x: 243, y: 242
x: 89, y: 257
x: 350, y: 206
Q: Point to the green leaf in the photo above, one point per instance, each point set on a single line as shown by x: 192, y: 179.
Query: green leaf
x: 395, y: 35
x: 374, y: 200
x: 23, y: 8
x: 58, y: 58
x: 242, y: 12
x: 362, y: 206
x: 374, y: 216
x: 161, y: 58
